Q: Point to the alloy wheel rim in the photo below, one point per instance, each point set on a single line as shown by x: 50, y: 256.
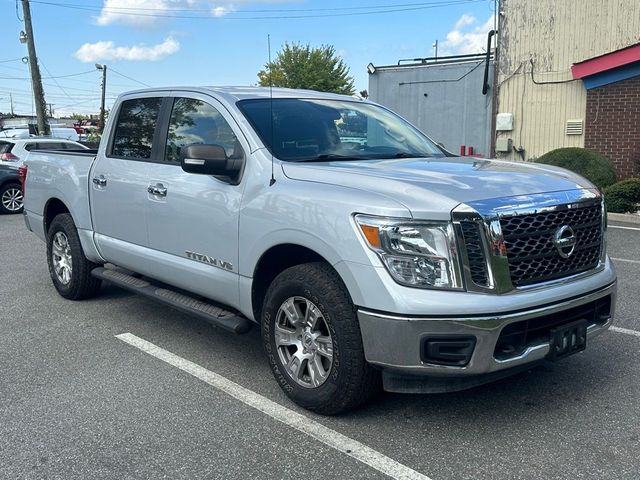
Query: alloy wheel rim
x: 61, y: 256
x: 12, y: 199
x: 303, y: 342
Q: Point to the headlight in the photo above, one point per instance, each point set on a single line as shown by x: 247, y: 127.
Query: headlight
x: 416, y: 253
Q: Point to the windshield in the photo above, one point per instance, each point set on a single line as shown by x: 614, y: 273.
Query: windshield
x: 327, y: 130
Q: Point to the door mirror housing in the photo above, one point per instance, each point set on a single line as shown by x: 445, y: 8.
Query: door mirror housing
x: 209, y: 160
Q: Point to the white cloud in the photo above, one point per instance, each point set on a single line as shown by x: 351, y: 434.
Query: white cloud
x: 107, y: 50
x: 467, y: 36
x: 464, y: 20
x: 132, y: 12
x: 147, y: 13
x: 222, y: 10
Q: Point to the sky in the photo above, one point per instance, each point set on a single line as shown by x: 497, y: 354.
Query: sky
x: 203, y: 42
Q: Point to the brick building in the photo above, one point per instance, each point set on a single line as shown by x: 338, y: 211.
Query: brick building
x: 612, y: 122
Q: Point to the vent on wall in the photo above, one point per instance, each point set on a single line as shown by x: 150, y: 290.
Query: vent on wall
x: 574, y: 127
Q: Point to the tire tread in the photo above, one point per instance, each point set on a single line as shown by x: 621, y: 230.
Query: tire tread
x: 83, y: 285
x: 360, y: 381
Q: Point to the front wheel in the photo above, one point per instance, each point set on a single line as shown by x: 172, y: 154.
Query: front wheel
x: 69, y: 269
x: 312, y: 338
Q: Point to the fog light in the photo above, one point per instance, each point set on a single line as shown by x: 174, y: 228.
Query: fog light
x: 455, y: 351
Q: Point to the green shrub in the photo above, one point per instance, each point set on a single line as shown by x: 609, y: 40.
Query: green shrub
x: 594, y: 167
x: 622, y: 197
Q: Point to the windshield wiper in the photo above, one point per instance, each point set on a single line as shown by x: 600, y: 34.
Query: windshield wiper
x: 409, y: 155
x: 327, y: 157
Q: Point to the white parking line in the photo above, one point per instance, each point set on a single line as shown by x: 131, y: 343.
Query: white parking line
x: 623, y: 228
x: 293, y: 419
x: 626, y: 331
x: 625, y: 260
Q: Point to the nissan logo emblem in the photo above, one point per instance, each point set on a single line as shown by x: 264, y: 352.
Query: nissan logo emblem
x: 565, y: 241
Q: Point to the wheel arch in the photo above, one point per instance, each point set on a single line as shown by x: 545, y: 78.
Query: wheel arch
x: 52, y: 209
x: 272, y: 262
x: 9, y: 181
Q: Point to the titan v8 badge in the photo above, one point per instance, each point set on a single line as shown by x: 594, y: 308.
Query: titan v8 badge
x: 214, y: 262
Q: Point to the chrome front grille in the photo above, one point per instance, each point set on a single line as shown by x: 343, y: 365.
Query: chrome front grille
x: 477, y: 261
x: 517, y: 242
x: 532, y: 252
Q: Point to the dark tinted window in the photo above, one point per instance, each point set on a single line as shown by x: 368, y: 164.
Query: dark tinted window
x: 45, y: 146
x: 5, y: 147
x: 135, y: 128
x: 196, y: 122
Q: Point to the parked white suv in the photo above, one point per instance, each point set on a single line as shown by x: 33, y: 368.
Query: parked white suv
x: 15, y: 150
x: 24, y: 131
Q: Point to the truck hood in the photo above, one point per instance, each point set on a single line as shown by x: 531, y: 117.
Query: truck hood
x: 431, y: 188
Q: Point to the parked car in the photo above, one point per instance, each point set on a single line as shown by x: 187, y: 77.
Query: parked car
x: 16, y: 150
x: 10, y: 189
x: 378, y: 261
x: 67, y: 133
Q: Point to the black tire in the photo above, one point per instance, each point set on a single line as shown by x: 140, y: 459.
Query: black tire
x: 351, y: 381
x: 11, y: 198
x: 80, y: 284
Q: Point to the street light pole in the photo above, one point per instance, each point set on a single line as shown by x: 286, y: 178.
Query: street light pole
x: 104, y: 89
x: 36, y: 80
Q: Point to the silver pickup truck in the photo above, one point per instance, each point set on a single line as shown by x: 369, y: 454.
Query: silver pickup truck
x: 368, y: 255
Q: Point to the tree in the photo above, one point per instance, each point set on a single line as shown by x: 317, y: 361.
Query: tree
x: 298, y: 66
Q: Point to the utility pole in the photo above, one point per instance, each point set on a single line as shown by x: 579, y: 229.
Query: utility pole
x: 11, y: 101
x: 50, y: 110
x: 36, y: 80
x: 104, y: 89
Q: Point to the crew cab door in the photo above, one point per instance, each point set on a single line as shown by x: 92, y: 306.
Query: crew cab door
x: 192, y: 218
x: 119, y: 179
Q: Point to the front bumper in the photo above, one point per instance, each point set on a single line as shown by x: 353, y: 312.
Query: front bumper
x: 395, y: 343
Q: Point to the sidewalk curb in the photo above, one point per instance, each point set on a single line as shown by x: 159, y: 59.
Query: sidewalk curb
x: 624, y: 217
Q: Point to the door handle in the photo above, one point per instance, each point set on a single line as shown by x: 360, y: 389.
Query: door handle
x: 100, y: 181
x: 159, y: 190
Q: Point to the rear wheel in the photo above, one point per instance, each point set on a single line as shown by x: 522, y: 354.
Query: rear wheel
x: 69, y: 269
x: 11, y: 198
x: 313, y: 342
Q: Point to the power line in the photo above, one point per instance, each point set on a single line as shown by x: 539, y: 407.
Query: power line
x: 49, y: 78
x: 55, y: 81
x: 129, y: 78
x: 263, y: 10
x: 18, y: 13
x: 390, y: 9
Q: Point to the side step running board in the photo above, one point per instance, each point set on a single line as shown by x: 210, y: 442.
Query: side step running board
x: 209, y: 312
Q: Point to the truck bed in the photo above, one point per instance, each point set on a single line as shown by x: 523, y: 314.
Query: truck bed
x: 62, y: 175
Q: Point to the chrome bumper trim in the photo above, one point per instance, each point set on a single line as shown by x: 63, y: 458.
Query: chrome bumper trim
x: 393, y: 342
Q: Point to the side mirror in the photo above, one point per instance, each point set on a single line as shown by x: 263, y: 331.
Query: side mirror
x: 209, y: 160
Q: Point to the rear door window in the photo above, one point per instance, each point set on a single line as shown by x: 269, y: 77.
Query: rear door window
x: 135, y: 128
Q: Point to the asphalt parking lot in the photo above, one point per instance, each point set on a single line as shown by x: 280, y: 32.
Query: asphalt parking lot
x: 78, y: 402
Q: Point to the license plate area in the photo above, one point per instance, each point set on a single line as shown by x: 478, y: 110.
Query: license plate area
x: 568, y: 339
